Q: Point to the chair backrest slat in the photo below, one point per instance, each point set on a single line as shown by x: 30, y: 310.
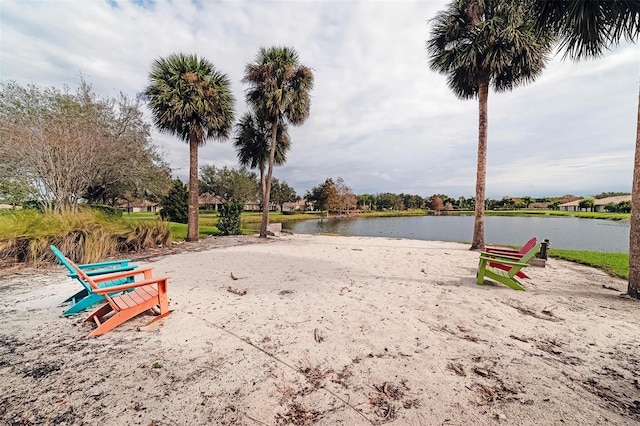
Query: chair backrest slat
x: 86, y: 279
x: 529, y: 245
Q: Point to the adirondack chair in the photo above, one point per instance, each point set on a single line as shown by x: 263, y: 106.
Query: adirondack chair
x: 509, y: 267
x: 85, y: 298
x: 147, y: 293
x: 514, y: 253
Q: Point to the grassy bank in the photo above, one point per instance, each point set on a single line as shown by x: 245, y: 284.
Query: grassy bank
x: 86, y: 236
x: 559, y: 213
x: 615, y: 264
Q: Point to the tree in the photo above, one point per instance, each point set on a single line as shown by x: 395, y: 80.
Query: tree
x: 229, y: 222
x: 482, y: 43
x: 280, y: 92
x: 586, y: 204
x: 252, y: 143
x: 412, y: 201
x: 282, y: 193
x: 554, y: 206
x: 134, y: 169
x: 466, y: 203
x: 238, y: 185
x: 436, y: 204
x: 389, y: 201
x: 175, y: 203
x: 320, y: 195
x: 367, y: 201
x: 189, y: 98
x: 585, y: 29
x: 69, y: 145
x: 343, y: 199
x: 15, y: 192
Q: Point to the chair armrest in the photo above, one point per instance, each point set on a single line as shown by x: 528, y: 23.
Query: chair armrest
x: 123, y: 262
x: 94, y: 272
x: 499, y: 256
x: 125, y: 274
x: 502, y: 261
x: 502, y: 251
x: 128, y: 286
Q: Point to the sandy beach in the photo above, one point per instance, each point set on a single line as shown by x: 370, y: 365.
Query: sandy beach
x: 328, y: 330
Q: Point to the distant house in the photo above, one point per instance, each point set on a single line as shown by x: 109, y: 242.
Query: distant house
x: 254, y: 206
x: 599, y: 203
x: 208, y: 201
x: 138, y: 206
x: 298, y: 206
x: 9, y: 206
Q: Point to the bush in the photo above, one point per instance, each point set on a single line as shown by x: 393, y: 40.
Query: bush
x: 107, y: 210
x: 33, y: 205
x: 229, y: 222
x: 175, y: 206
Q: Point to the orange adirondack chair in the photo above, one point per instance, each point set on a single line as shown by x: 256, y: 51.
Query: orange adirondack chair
x: 516, y: 254
x: 148, y: 293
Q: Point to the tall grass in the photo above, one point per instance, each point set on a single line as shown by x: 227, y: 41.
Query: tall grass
x: 86, y: 236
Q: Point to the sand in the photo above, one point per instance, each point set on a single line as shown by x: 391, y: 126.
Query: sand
x: 309, y: 329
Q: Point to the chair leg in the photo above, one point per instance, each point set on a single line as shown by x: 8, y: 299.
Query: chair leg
x: 79, y: 295
x: 83, y: 304
x: 481, y: 271
x: 513, y: 284
x: 102, y: 311
x: 119, y: 317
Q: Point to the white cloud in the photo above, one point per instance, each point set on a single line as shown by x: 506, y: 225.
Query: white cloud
x: 379, y: 118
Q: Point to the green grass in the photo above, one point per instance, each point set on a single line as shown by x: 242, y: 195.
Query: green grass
x: 536, y: 212
x: 179, y: 231
x: 615, y: 264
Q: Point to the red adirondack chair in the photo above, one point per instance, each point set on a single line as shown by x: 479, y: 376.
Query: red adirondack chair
x: 516, y: 254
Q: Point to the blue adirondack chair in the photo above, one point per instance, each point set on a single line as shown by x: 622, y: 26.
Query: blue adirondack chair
x: 86, y: 297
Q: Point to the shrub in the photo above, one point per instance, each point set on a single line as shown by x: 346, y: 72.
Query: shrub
x: 229, y: 222
x: 107, y: 210
x: 175, y: 206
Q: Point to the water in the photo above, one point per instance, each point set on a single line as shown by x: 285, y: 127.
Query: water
x: 563, y: 232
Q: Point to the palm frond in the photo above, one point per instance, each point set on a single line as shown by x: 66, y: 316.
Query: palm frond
x: 498, y: 38
x: 189, y: 97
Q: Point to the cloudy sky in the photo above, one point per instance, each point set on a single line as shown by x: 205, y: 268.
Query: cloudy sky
x: 380, y: 118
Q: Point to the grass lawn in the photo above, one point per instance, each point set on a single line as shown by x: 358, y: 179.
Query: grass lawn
x: 616, y: 264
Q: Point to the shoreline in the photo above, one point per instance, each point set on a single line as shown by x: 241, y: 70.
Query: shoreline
x: 331, y: 330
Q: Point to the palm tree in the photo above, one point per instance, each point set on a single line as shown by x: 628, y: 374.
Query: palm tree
x: 482, y: 43
x: 280, y: 92
x: 253, y: 141
x: 585, y: 29
x: 189, y: 98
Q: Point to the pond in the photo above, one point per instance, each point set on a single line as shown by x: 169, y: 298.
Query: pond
x: 563, y: 232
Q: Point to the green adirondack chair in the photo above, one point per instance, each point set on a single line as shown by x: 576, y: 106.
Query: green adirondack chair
x: 85, y: 297
x: 502, y: 268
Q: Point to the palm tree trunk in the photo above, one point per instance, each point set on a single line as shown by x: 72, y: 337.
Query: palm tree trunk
x: 263, y: 181
x: 192, y: 226
x: 478, y: 224
x: 634, y: 235
x: 266, y: 194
